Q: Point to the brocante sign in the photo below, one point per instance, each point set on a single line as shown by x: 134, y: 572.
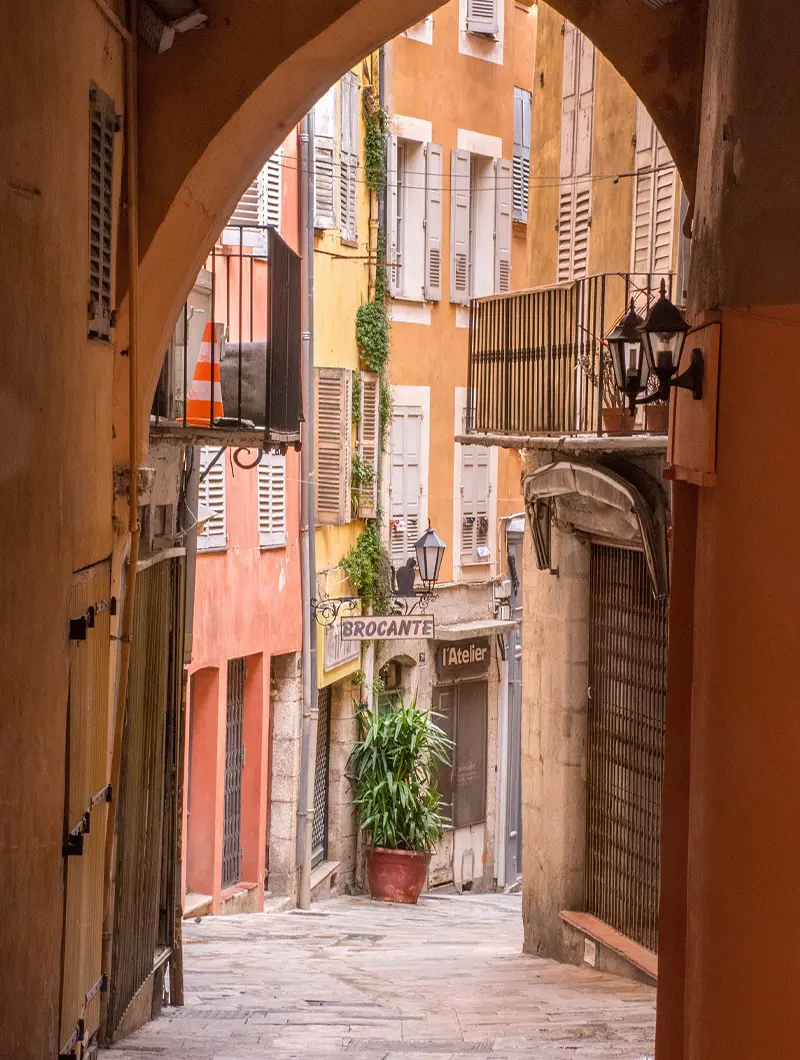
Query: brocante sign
x: 387, y: 627
x: 465, y: 658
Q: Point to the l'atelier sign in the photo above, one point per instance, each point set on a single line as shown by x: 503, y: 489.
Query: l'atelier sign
x: 465, y: 658
x: 388, y: 627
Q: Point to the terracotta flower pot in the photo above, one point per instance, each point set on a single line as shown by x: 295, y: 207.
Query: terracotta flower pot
x: 618, y: 421
x: 656, y: 418
x: 396, y: 875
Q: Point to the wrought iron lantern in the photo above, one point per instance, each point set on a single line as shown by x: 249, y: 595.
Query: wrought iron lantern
x: 430, y: 553
x: 631, y: 368
x: 664, y: 334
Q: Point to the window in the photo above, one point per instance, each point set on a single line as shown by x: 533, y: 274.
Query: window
x: 522, y: 153
x: 480, y: 226
x: 211, y: 512
x: 653, y: 204
x: 334, y: 421
x: 348, y: 156
x: 369, y: 443
x: 577, y: 127
x: 260, y: 205
x: 102, y: 128
x: 325, y: 161
x: 406, y: 482
x: 272, y: 500
x: 414, y: 196
x: 475, y: 490
x: 483, y: 17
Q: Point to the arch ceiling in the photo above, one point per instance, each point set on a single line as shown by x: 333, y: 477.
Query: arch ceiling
x: 214, y: 107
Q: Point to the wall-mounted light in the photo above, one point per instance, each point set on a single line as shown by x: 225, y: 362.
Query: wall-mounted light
x: 653, y: 345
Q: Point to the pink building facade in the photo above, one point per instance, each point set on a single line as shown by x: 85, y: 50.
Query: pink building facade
x: 243, y: 708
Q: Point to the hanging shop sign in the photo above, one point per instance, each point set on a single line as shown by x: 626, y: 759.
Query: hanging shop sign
x: 463, y: 658
x: 387, y: 627
x: 338, y: 651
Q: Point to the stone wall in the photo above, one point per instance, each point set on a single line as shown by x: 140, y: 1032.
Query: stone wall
x: 286, y: 700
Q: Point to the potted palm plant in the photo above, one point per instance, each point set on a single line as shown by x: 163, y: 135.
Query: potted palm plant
x: 393, y: 773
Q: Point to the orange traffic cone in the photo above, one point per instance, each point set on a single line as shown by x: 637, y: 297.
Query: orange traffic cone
x: 198, y: 400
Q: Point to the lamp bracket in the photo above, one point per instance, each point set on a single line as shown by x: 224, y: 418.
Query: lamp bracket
x: 692, y: 378
x: 326, y: 611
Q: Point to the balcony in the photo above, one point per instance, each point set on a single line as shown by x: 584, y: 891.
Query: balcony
x: 538, y: 365
x: 232, y: 373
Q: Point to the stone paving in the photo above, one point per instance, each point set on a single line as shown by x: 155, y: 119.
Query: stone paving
x: 443, y: 980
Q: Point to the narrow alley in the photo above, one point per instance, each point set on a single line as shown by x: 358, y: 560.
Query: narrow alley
x: 439, y: 980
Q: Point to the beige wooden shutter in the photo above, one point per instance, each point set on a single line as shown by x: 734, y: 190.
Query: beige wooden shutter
x: 584, y: 124
x: 334, y: 419
x: 325, y: 161
x: 406, y: 482
x: 644, y: 159
x: 272, y: 501
x: 664, y: 210
x: 102, y: 129
x: 475, y: 490
x: 392, y: 216
x: 348, y: 164
x: 522, y: 153
x: 502, y: 226
x: 459, y: 226
x: 433, y: 222
x: 482, y: 17
x: 212, y: 498
x: 369, y: 433
x: 270, y: 192
x: 577, y: 131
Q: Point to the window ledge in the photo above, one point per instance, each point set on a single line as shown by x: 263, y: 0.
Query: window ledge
x: 272, y: 548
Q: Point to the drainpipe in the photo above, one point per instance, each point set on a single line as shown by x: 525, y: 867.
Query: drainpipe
x: 126, y: 625
x: 308, y: 751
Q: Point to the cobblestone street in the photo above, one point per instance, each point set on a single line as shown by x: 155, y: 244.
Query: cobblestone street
x: 439, y: 981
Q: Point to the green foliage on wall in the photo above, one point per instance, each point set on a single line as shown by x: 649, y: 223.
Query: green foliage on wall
x: 356, y: 398
x: 375, y: 147
x: 367, y: 567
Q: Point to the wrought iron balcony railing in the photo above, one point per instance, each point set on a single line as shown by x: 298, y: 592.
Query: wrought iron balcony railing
x: 537, y: 361
x: 232, y: 373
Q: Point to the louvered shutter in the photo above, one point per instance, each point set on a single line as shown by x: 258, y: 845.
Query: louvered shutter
x: 522, y: 153
x: 475, y: 489
x: 334, y: 417
x: 348, y: 157
x: 270, y: 193
x: 102, y: 127
x: 406, y: 481
x: 653, y: 205
x: 664, y: 210
x: 272, y: 501
x: 569, y: 101
x: 584, y: 125
x: 502, y: 226
x: 459, y: 226
x: 369, y: 433
x: 392, y: 216
x: 212, y: 497
x: 325, y: 161
x: 577, y: 130
x: 482, y: 17
x: 433, y: 222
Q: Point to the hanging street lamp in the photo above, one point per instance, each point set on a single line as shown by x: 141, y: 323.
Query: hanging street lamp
x: 664, y: 334
x: 430, y: 553
x: 631, y: 369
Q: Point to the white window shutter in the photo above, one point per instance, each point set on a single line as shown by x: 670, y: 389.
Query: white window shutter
x: 664, y: 210
x: 247, y: 211
x: 272, y: 501
x: 566, y: 229
x: 475, y: 488
x: 369, y: 444
x: 325, y: 161
x: 334, y: 419
x: 348, y: 164
x: 582, y: 226
x: 392, y: 234
x: 459, y: 226
x: 482, y: 17
x: 406, y: 482
x: 522, y: 153
x: 644, y: 159
x: 569, y: 101
x: 584, y: 128
x: 211, y: 498
x: 433, y: 222
x: 270, y: 180
x: 502, y: 226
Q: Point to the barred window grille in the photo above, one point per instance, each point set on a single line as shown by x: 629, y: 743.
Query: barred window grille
x: 102, y: 127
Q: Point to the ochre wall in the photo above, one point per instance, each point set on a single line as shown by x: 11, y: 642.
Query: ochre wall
x: 430, y: 82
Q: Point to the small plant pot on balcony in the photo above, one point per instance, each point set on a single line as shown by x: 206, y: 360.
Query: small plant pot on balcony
x: 618, y: 420
x: 656, y: 418
x: 396, y: 875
